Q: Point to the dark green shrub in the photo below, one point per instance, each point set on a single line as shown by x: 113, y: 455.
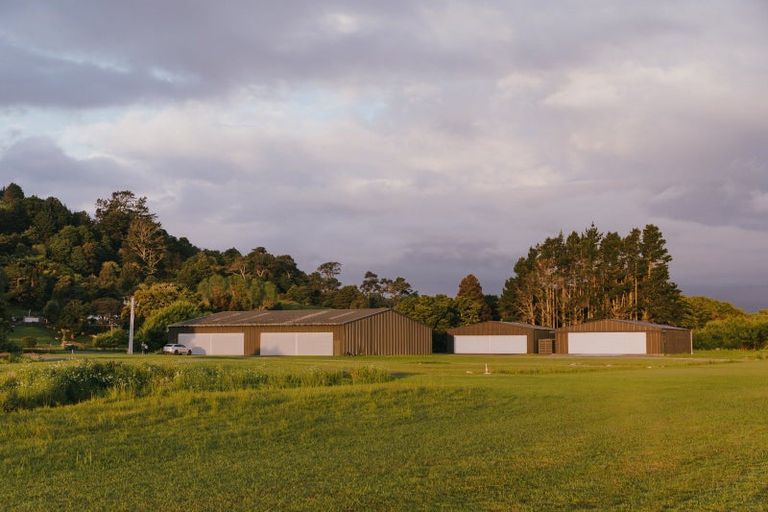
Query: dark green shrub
x: 750, y: 332
x: 28, y: 342
x: 7, y: 345
x: 109, y: 339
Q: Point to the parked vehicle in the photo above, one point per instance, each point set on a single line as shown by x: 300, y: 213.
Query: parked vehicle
x: 177, y: 348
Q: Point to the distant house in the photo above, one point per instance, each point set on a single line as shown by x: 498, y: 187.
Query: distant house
x: 620, y: 337
x: 310, y: 332
x: 499, y: 338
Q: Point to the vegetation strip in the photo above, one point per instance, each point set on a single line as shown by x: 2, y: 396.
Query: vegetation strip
x: 61, y: 384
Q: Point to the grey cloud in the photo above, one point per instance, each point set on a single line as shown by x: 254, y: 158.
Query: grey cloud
x: 428, y: 168
x: 213, y: 47
x: 437, y: 265
x: 41, y: 167
x: 34, y: 79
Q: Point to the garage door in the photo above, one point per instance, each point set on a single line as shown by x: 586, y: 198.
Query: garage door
x: 296, y: 344
x: 510, y: 344
x: 214, y: 344
x: 606, y: 343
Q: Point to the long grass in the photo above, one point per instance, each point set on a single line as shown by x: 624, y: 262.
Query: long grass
x: 579, y: 434
x: 59, y: 384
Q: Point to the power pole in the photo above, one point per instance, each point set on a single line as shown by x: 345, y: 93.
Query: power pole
x: 130, y: 328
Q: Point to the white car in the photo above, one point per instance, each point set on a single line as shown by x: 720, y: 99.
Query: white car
x: 177, y: 348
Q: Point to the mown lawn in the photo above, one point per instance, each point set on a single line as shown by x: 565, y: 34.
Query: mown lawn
x: 44, y: 335
x: 538, y: 433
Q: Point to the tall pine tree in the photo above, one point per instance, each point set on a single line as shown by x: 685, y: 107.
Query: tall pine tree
x: 470, y: 301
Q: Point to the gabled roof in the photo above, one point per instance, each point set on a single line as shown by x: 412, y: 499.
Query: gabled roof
x: 638, y: 325
x: 497, y: 327
x: 281, y: 317
x: 650, y: 325
x: 521, y: 324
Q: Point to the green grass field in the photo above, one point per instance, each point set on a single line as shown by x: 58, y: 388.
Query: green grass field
x: 45, y: 336
x: 537, y: 433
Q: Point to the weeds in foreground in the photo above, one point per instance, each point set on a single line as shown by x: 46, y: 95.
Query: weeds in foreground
x: 61, y: 384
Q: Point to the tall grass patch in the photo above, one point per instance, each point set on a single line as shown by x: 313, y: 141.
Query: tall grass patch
x: 33, y: 386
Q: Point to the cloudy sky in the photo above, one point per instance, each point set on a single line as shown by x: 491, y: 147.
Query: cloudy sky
x: 427, y: 139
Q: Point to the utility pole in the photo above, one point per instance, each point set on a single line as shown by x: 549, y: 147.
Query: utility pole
x: 130, y: 328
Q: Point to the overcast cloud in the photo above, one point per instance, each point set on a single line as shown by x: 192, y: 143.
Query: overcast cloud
x: 423, y: 139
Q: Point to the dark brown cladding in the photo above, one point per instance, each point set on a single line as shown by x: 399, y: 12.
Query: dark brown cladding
x: 494, y: 328
x: 660, y: 339
x: 379, y: 331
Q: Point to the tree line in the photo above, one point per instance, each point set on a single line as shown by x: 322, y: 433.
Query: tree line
x: 76, y: 271
x: 591, y: 276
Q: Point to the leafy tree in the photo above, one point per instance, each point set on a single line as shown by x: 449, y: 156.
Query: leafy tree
x: 395, y: 289
x: 591, y: 275
x: 329, y: 272
x: 701, y: 310
x: 109, y: 339
x: 145, y: 242
x: 471, y: 302
x: 12, y: 193
x: 30, y: 281
x: 51, y: 311
x: 734, y: 332
x: 107, y: 310
x: 152, y: 297
x: 47, y: 218
x: 115, y: 215
x: 214, y: 293
x: 13, y: 214
x: 371, y: 285
x: 154, y: 330
x: 263, y: 294
x: 195, y: 269
x: 493, y: 305
x: 660, y: 299
x: 109, y: 277
x: 347, y: 297
x: 73, y: 319
x: 438, y: 312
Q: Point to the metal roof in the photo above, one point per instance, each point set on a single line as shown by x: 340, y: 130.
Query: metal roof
x: 529, y: 326
x: 281, y: 317
x: 649, y: 324
x: 639, y: 324
x: 465, y: 329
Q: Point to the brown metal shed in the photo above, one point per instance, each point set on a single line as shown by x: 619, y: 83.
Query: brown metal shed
x: 623, y: 337
x: 380, y: 331
x: 533, y: 334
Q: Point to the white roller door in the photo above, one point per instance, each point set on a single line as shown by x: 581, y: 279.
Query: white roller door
x: 296, y: 344
x: 606, y: 343
x: 508, y: 344
x: 214, y: 344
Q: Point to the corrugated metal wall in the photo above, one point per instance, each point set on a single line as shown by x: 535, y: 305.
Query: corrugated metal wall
x: 677, y: 342
x: 501, y: 328
x: 386, y: 333
x: 540, y: 334
x: 658, y: 341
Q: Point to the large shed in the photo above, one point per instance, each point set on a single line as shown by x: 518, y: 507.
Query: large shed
x: 620, y: 337
x: 499, y: 338
x: 326, y: 332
